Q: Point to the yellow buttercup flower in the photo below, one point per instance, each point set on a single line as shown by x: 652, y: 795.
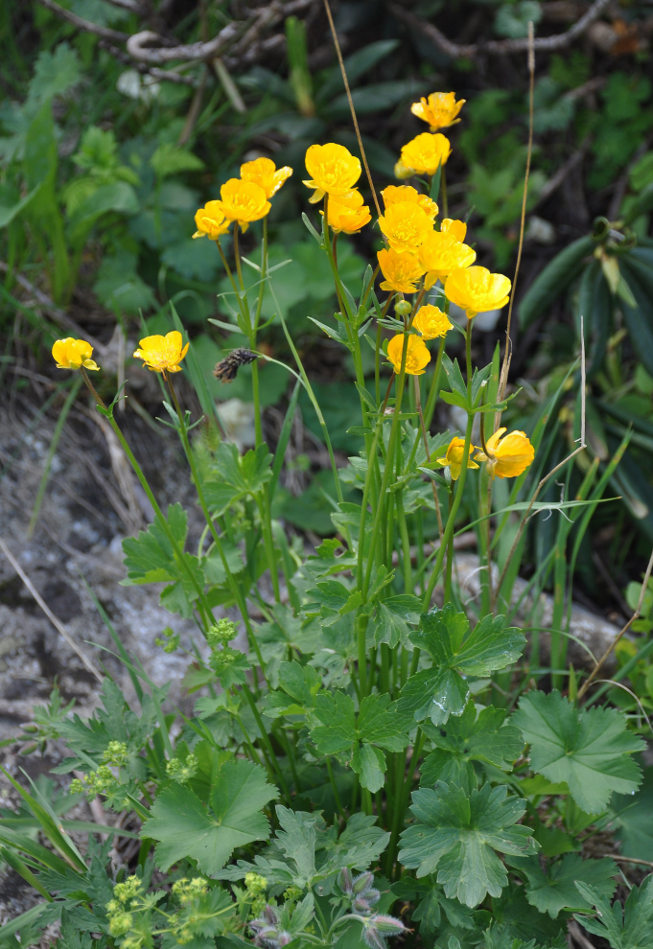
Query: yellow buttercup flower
x: 440, y: 109
x: 333, y: 170
x: 417, y: 354
x: 405, y: 226
x: 347, y: 213
x: 401, y: 271
x: 162, y: 353
x: 476, y: 290
x: 455, y: 229
x: 243, y: 202
x: 431, y: 322
x: 72, y: 353
x: 440, y: 253
x: 263, y: 172
x: 453, y: 460
x: 210, y: 221
x: 396, y: 194
x: 423, y: 155
x: 507, y: 456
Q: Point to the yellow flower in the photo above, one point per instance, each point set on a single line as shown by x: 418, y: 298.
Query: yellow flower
x: 456, y: 229
x: 333, y: 170
x: 507, y: 455
x: 243, y: 202
x: 263, y: 172
x: 431, y: 322
x: 440, y: 109
x: 453, y: 460
x: 405, y: 226
x: 162, y: 353
x: 394, y: 194
x: 423, y: 155
x: 72, y: 353
x: 401, y: 271
x: 347, y: 212
x: 210, y: 221
x: 417, y: 354
x: 441, y: 253
x: 476, y: 290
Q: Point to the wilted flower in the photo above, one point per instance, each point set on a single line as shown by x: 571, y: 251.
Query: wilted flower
x: 417, y: 354
x: 440, y: 253
x: 162, y: 353
x: 243, y: 202
x: 431, y: 322
x: 347, y: 213
x: 210, y: 221
x: 401, y: 271
x: 333, y: 170
x: 423, y: 155
x: 476, y: 290
x: 263, y: 172
x: 440, y: 109
x: 405, y: 226
x: 453, y: 460
x: 396, y: 194
x: 72, y: 353
x: 508, y: 455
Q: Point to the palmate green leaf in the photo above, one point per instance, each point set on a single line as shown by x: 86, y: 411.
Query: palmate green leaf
x: 475, y: 736
x: 587, y: 748
x: 149, y: 557
x: 458, y: 837
x: 392, y: 616
x: 457, y: 653
x: 187, y: 829
x: 305, y: 851
x: 234, y: 476
x: 552, y: 889
x: 377, y: 725
x: 630, y: 928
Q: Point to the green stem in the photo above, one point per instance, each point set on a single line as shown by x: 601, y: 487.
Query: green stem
x: 205, y: 612
x: 460, y: 483
x: 234, y: 588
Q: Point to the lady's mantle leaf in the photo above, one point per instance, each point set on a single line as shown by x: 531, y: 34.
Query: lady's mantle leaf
x: 186, y: 828
x: 586, y: 748
x: 552, y: 889
x: 458, y: 835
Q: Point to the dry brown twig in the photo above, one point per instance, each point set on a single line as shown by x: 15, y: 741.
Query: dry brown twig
x: 147, y: 48
x: 470, y: 50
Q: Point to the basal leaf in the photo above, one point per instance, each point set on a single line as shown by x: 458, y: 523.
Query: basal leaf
x: 475, y: 736
x: 369, y: 764
x: 377, y: 725
x: 588, y: 748
x: 187, y: 829
x: 458, y: 837
x: 552, y: 888
x: 627, y: 928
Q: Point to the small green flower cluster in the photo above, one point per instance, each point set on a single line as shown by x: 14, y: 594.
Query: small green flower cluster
x: 168, y: 640
x: 120, y: 912
x: 182, y: 771
x: 104, y: 781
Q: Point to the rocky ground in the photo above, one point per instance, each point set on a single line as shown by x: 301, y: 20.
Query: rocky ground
x: 61, y: 573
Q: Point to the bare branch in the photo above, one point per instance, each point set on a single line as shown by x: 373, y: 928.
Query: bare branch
x: 82, y: 24
x: 456, y: 50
